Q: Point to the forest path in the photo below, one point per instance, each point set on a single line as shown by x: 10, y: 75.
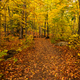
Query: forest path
x: 44, y: 63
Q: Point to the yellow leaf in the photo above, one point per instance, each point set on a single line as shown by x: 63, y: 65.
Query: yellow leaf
x: 26, y: 79
x: 78, y: 54
x: 62, y: 78
x: 9, y: 64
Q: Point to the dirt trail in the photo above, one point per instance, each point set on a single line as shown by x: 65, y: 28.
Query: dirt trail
x: 44, y: 64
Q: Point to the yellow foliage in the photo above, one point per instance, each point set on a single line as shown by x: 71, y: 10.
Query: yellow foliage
x: 74, y: 40
x: 78, y: 54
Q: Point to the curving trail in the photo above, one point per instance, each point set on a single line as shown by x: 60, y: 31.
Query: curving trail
x: 44, y: 63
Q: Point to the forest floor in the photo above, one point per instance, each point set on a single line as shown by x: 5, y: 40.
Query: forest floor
x: 43, y: 61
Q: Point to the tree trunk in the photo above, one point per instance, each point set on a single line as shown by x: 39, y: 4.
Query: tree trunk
x: 25, y: 19
x: 79, y: 26
x: 21, y: 29
x: 5, y: 25
x: 45, y: 29
x: 36, y: 32
x: 33, y: 29
x: 62, y: 28
x: 21, y: 32
x: 9, y: 18
x: 39, y: 31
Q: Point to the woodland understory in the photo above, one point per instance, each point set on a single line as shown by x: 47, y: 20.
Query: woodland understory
x: 39, y: 40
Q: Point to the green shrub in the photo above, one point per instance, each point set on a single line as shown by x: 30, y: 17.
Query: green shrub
x: 19, y: 49
x: 15, y: 59
x: 2, y: 59
x: 53, y: 41
x: 3, y: 53
x: 1, y: 75
x: 56, y: 39
x: 29, y: 39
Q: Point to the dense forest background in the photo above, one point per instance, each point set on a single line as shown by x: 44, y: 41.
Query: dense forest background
x: 57, y: 19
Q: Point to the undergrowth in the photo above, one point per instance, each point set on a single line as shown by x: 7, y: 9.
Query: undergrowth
x: 74, y: 41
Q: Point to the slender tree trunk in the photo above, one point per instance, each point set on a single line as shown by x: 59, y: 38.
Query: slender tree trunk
x: 21, y: 29
x: 79, y: 26
x: 7, y: 30
x: 45, y: 29
x: 42, y: 33
x: 33, y: 26
x: 62, y: 29
x: 74, y: 25
x: 5, y: 24
x: 9, y: 18
x: 33, y: 29
x: 79, y: 21
x: 47, y: 21
x: 36, y: 32
x: 39, y: 31
x: 25, y: 18
x: 21, y: 32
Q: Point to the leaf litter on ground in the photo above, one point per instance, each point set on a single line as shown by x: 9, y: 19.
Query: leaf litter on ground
x: 42, y: 62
